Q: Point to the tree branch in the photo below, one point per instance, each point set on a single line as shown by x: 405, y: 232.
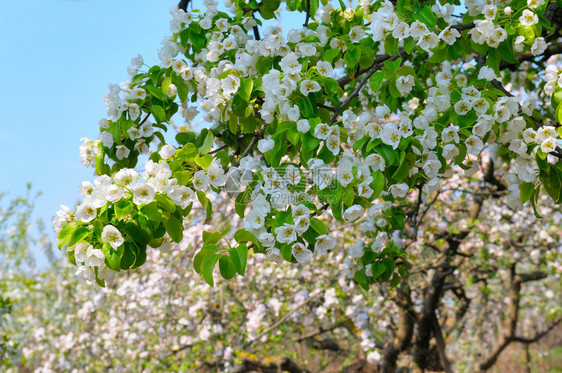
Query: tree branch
x: 404, y: 332
x: 513, y: 314
x: 183, y: 5
x: 257, y: 136
x: 378, y: 59
x: 550, y: 51
x: 307, y: 13
x: 369, y: 72
x: 538, y: 335
x: 440, y: 342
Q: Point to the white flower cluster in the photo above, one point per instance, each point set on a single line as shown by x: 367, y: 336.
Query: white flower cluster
x: 125, y: 185
x: 552, y: 79
x: 90, y: 260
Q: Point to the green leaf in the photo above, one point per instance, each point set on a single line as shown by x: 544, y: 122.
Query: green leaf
x: 309, y: 142
x: 207, y: 143
x: 129, y: 256
x: 65, y: 233
x: 166, y: 84
x: 558, y: 112
x: 534, y: 205
x: 391, y: 45
x: 226, y: 267
x: 318, y: 226
x: 239, y: 106
x: 205, y: 250
x: 164, y: 203
x: 292, y: 5
x: 506, y: 51
x: 174, y: 228
x: 409, y: 44
x: 158, y: 113
x: 185, y: 137
x: 402, y: 171
x: 439, y: 55
x: 140, y: 258
x: 264, y: 65
x: 307, y: 109
x: 293, y: 135
x: 426, y: 16
x: 211, y: 237
x: 352, y: 55
x: 206, y: 203
x: 187, y: 152
x: 378, y: 184
x: 207, y: 267
x: 245, y: 89
x: 348, y: 196
x: 78, y: 234
x: 330, y: 54
x: 239, y: 256
x: 115, y: 130
x: 526, y: 191
x: 205, y: 161
x: 112, y: 256
x: 156, y: 92
x: 123, y: 208
x: 243, y: 235
x: 152, y: 212
x: 375, y: 81
x: 101, y: 167
x: 377, y: 269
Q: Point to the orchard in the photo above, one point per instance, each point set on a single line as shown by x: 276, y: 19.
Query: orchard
x: 384, y: 180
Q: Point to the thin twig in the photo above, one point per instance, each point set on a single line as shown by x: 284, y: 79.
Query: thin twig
x: 218, y: 149
x: 374, y: 68
x: 257, y: 136
x: 287, y: 315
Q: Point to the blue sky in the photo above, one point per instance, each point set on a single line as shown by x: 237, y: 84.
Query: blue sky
x: 57, y: 58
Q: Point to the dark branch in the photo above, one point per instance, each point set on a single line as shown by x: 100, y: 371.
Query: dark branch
x: 183, y: 5
x: 378, y: 59
x: 369, y: 72
x: 550, y: 51
x: 513, y: 314
x: 538, y: 335
x: 257, y: 136
x: 466, y: 26
x: 440, y: 342
x: 307, y: 13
